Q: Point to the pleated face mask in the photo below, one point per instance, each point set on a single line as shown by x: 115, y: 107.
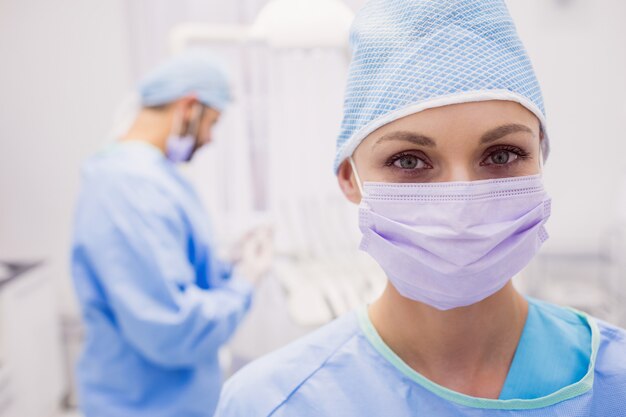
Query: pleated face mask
x: 180, y: 148
x: 453, y: 244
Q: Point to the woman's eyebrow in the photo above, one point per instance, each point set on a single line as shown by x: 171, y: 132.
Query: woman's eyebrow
x: 423, y: 140
x: 501, y: 131
x: 414, y: 138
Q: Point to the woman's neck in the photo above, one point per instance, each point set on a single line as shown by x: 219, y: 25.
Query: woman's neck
x: 468, y: 349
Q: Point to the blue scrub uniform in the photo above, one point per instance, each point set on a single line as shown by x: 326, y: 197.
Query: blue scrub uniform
x: 156, y: 303
x: 567, y: 364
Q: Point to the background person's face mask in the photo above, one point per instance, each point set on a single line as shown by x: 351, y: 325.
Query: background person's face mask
x: 453, y: 244
x: 179, y: 147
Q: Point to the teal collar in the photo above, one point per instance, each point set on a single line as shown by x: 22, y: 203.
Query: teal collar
x: 566, y: 393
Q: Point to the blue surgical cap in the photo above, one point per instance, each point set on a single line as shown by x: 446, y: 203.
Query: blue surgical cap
x: 412, y: 55
x: 192, y: 72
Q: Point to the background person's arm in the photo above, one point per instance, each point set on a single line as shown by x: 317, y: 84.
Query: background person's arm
x: 134, y: 240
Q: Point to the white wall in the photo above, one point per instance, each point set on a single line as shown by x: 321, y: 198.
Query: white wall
x: 578, y: 48
x: 64, y: 66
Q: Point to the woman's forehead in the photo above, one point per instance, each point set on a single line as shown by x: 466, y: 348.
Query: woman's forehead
x: 469, y: 119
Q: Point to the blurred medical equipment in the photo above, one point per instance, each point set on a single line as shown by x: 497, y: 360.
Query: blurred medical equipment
x: 594, y: 282
x: 30, y: 342
x: 591, y: 282
x: 279, y: 24
x: 321, y: 270
x: 292, y: 61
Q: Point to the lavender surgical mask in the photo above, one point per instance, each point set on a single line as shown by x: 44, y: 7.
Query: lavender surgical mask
x: 453, y: 244
x: 180, y: 148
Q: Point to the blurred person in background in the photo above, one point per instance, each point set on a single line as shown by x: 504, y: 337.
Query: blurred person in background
x: 157, y: 303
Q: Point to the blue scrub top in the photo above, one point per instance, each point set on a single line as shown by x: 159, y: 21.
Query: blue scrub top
x: 564, y: 342
x: 156, y: 303
x: 566, y: 364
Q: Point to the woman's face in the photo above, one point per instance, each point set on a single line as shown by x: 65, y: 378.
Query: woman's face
x: 460, y: 142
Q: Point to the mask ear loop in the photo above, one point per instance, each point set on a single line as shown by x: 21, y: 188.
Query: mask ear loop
x: 194, y: 122
x: 196, y: 116
x: 541, y: 133
x: 356, y: 176
x: 177, y: 125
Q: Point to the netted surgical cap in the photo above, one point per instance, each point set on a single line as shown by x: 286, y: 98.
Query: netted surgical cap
x: 192, y: 72
x: 411, y: 55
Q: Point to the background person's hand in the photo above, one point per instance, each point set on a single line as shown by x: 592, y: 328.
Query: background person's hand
x: 254, y: 253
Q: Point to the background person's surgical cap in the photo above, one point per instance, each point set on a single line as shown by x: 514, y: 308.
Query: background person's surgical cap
x: 411, y: 55
x: 192, y: 72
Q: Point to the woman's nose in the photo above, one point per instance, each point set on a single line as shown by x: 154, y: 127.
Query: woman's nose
x: 458, y: 173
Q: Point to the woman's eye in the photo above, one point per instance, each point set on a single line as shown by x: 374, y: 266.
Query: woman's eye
x: 409, y: 162
x: 501, y: 158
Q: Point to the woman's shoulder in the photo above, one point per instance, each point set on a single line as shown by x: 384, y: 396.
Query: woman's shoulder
x: 611, y: 332
x: 611, y: 360
x: 267, y: 383
x: 609, y: 384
